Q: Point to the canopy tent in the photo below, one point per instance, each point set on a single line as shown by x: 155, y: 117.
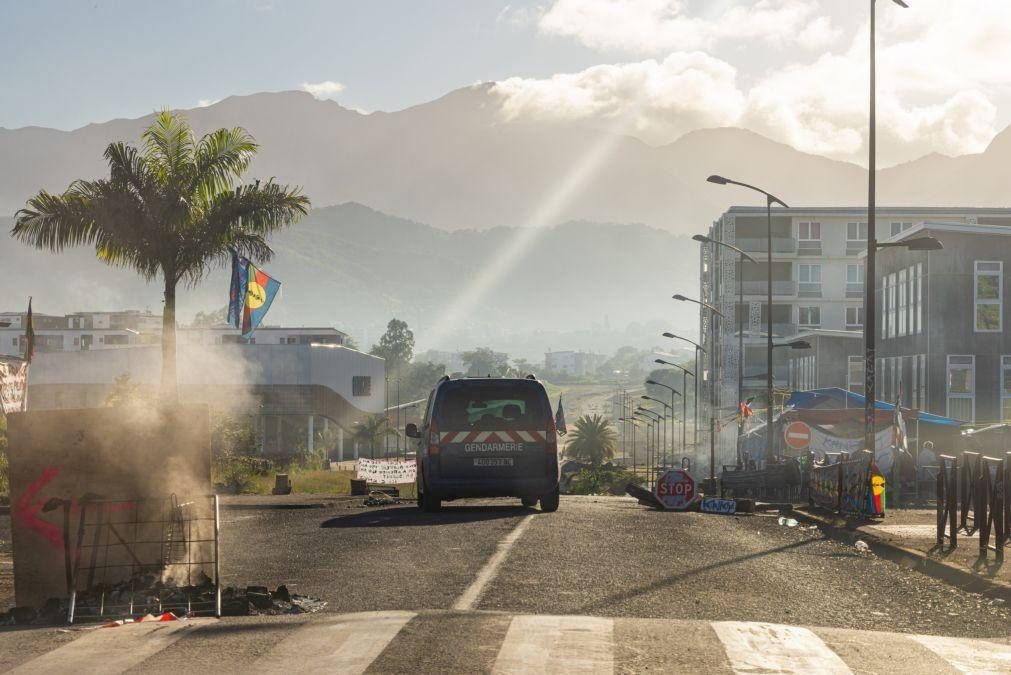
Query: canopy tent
x: 836, y: 417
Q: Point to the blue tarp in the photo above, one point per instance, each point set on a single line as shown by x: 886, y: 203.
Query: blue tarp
x: 817, y: 398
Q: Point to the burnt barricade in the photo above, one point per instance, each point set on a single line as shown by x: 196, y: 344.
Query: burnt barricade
x: 133, y: 557
x: 972, y: 500
x: 848, y: 484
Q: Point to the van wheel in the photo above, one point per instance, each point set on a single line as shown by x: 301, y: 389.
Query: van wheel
x: 528, y: 501
x: 549, y: 502
x: 428, y: 503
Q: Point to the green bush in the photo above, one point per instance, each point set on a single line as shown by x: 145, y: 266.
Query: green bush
x: 607, y: 479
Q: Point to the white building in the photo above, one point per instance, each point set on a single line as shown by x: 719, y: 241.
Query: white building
x: 571, y: 363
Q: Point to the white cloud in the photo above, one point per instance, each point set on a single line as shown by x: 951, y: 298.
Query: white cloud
x: 657, y: 26
x: 940, y: 70
x: 322, y: 90
x: 204, y: 102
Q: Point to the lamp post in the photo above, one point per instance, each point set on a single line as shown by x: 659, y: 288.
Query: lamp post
x: 632, y: 422
x: 742, y: 256
x: 655, y: 423
x: 695, y: 375
x: 648, y: 421
x: 684, y: 402
x: 769, y: 201
x: 664, y: 411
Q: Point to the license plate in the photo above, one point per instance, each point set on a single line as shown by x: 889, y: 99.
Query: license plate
x: 493, y: 461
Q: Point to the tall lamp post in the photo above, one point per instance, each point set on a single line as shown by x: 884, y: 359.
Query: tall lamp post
x: 699, y: 349
x: 769, y: 201
x: 656, y: 422
x: 684, y: 402
x: 648, y: 421
x: 633, y: 423
x: 664, y: 411
x: 742, y: 256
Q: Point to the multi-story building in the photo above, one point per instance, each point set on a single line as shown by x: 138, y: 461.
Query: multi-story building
x: 81, y: 331
x: 265, y: 335
x: 941, y: 337
x: 817, y: 262
x: 572, y: 363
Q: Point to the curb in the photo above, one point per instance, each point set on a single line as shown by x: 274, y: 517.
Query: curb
x: 266, y: 504
x: 912, y: 559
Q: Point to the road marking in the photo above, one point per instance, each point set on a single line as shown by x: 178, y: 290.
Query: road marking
x: 557, y: 644
x: 468, y: 599
x: 969, y: 656
x: 347, y: 646
x: 754, y: 647
x: 110, y: 650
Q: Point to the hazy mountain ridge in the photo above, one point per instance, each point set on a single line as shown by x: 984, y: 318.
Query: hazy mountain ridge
x: 454, y: 163
x: 354, y: 267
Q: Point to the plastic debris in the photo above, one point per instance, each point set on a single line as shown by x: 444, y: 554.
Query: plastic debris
x: 788, y: 522
x: 862, y: 546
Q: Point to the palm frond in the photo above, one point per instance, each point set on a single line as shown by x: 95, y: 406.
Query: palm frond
x: 168, y: 146
x: 56, y: 222
x: 220, y: 159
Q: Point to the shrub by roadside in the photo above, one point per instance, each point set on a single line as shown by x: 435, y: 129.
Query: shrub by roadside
x: 607, y: 479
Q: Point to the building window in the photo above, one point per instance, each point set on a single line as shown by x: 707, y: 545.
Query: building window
x: 809, y: 317
x: 1005, y: 388
x: 962, y: 387
x: 809, y: 238
x: 856, y: 232
x: 14, y: 342
x: 810, y: 281
x: 854, y: 318
x: 902, y: 304
x: 854, y: 281
x: 291, y: 340
x: 890, y: 293
x: 898, y: 228
x: 987, y: 295
x: 919, y: 298
x: 921, y: 382
x: 855, y: 374
x: 856, y: 238
x: 361, y: 385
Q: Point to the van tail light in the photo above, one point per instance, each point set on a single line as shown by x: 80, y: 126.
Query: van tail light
x: 433, y: 439
x: 552, y: 437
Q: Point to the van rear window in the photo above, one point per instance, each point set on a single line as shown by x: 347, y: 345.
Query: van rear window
x: 490, y: 408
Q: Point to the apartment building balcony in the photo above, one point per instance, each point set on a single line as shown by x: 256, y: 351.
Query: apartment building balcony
x: 761, y: 244
x: 779, y: 287
x: 854, y: 289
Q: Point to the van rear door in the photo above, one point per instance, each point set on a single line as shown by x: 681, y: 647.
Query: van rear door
x: 492, y: 429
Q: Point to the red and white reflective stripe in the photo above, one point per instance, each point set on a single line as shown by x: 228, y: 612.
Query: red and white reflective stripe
x: 493, y: 437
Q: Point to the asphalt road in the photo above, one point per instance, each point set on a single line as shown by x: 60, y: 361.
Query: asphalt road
x: 601, y: 556
x: 618, y: 581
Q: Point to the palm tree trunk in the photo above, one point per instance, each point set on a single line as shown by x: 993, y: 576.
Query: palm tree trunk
x: 169, y: 385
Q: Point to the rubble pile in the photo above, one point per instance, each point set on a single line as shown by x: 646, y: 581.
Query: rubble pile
x: 259, y: 600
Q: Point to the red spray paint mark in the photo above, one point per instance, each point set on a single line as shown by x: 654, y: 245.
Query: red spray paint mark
x: 29, y: 512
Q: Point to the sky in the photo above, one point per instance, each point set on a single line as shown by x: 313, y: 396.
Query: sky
x: 794, y: 70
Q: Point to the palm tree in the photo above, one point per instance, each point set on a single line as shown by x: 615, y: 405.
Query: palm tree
x: 372, y: 430
x: 172, y: 208
x: 592, y: 440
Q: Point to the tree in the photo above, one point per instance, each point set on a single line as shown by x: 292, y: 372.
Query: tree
x: 171, y: 208
x: 396, y: 345
x: 126, y: 393
x: 373, y: 430
x: 211, y: 318
x: 522, y: 367
x: 592, y: 440
x: 417, y: 379
x: 483, y: 361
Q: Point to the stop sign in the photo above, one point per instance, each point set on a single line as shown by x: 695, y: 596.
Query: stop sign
x: 676, y: 489
x: 797, y: 435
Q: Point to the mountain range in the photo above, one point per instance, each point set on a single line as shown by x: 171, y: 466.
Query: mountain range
x: 456, y: 163
x: 354, y: 268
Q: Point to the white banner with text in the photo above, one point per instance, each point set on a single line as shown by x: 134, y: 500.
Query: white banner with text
x: 387, y: 471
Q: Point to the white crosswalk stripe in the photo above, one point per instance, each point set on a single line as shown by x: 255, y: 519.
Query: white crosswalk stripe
x: 557, y: 644
x: 969, y: 656
x: 374, y: 642
x: 771, y: 648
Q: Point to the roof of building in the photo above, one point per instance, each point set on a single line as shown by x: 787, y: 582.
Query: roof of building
x: 862, y: 210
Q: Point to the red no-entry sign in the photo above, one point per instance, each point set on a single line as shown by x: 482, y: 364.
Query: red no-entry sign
x: 676, y: 489
x: 797, y: 435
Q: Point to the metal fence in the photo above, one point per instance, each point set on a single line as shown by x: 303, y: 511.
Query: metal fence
x: 848, y: 484
x: 144, y: 556
x: 973, y: 499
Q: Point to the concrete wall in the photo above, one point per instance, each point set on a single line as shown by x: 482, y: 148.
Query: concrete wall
x: 118, y: 453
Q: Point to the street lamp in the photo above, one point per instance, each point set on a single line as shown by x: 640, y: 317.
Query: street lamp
x: 684, y: 401
x: 664, y: 411
x: 742, y: 256
x: 769, y: 201
x: 700, y: 303
x: 699, y: 349
x: 634, y: 423
x: 648, y: 421
x: 657, y: 423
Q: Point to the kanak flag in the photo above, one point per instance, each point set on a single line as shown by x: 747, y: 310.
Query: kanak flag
x: 249, y: 296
